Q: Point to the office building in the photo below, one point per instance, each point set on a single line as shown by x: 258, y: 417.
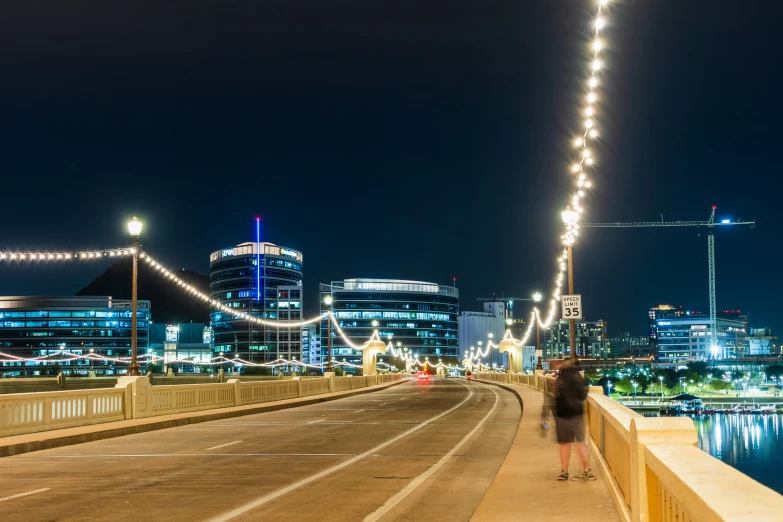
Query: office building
x: 311, y: 345
x: 265, y: 281
x: 178, y: 342
x: 762, y: 342
x: 591, y: 339
x: 477, y: 328
x: 627, y: 345
x: 35, y: 326
x: 420, y: 316
x: 687, y: 336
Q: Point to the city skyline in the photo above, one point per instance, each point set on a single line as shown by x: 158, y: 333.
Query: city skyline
x: 456, y: 150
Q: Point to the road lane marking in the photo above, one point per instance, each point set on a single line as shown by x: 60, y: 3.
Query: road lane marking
x: 415, y: 483
x: 313, y: 422
x: 157, y: 455
x: 224, y: 445
x: 19, y: 495
x: 357, y: 411
x: 328, y: 471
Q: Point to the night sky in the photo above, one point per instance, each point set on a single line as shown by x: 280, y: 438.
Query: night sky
x: 400, y: 139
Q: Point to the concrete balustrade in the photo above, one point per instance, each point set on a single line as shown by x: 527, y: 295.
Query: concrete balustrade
x: 654, y: 469
x: 136, y: 398
x: 22, y: 413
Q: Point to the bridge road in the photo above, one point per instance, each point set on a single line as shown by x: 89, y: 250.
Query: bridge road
x: 417, y: 451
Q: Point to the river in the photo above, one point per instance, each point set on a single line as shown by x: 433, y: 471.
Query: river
x: 751, y: 443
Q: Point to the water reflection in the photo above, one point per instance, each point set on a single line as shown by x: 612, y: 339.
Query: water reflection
x: 750, y: 443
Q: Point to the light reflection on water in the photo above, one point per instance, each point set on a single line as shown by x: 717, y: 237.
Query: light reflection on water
x: 750, y: 443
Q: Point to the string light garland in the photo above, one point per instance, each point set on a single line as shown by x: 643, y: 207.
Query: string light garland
x: 85, y: 255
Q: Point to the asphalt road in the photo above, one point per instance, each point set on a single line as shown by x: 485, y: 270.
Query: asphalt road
x: 418, y: 451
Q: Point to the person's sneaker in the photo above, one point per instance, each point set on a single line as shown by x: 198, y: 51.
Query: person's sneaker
x: 563, y: 475
x: 586, y: 475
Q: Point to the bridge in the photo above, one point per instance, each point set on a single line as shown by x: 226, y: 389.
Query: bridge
x: 377, y: 447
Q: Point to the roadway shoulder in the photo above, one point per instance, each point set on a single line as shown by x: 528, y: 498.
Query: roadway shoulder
x: 17, y: 444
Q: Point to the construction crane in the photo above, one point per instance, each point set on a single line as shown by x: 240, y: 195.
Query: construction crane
x: 710, y: 224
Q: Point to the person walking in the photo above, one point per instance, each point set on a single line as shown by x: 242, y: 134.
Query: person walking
x: 568, y: 408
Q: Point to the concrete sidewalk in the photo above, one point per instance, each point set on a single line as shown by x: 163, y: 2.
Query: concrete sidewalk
x: 17, y: 444
x: 525, y: 488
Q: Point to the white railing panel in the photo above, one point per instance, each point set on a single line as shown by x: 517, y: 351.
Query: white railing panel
x: 22, y: 413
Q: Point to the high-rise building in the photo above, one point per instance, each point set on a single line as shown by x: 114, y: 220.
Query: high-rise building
x: 265, y: 281
x: 681, y: 335
x: 591, y: 339
x: 627, y: 345
x: 34, y: 326
x: 420, y: 316
x: 476, y: 328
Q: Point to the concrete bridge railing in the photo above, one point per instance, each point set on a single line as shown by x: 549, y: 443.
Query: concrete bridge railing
x: 654, y: 469
x: 135, y: 398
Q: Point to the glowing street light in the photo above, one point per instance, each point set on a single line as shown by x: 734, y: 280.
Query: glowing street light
x: 134, y: 229
x: 569, y: 219
x: 329, y: 358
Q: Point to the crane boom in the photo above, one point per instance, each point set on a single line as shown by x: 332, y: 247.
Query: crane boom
x: 642, y: 224
x: 710, y: 224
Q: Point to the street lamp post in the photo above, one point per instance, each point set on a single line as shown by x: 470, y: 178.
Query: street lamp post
x: 634, y: 389
x: 328, y: 302
x: 536, y: 298
x: 569, y: 218
x: 134, y: 228
x: 661, y: 381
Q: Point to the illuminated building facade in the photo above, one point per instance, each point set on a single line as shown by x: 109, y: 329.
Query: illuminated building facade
x: 424, y: 317
x: 591, y: 339
x: 265, y: 281
x: 684, y: 335
x: 35, y: 326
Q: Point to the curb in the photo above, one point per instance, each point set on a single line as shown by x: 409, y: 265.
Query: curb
x: 53, y: 439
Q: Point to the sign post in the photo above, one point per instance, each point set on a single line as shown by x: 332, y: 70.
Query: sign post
x: 571, y: 306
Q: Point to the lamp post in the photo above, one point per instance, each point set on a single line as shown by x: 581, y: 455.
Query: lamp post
x: 634, y: 389
x: 609, y: 385
x: 569, y: 219
x: 661, y: 381
x: 328, y: 302
x: 537, y: 298
x: 134, y: 228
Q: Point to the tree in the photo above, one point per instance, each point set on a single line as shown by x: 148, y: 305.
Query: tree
x: 624, y: 386
x: 718, y: 385
x: 697, y: 369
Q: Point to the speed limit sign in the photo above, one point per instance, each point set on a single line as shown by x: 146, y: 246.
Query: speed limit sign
x: 572, y: 306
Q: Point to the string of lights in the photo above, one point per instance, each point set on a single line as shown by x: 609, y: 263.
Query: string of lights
x: 89, y: 255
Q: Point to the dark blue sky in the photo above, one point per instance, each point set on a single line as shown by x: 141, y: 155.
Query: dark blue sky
x: 405, y: 139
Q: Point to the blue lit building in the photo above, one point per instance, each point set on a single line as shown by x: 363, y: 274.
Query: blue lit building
x: 263, y: 280
x: 682, y: 335
x: 35, y: 326
x: 420, y: 316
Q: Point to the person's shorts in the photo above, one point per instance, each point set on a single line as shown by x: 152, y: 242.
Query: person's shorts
x: 570, y: 429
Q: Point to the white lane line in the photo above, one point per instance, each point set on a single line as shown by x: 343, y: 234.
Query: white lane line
x: 156, y: 455
x: 19, y: 495
x: 224, y: 445
x: 357, y: 411
x: 415, y: 483
x: 328, y: 471
x: 313, y: 422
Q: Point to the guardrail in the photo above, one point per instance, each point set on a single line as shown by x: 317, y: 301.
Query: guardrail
x: 655, y: 470
x: 135, y: 397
